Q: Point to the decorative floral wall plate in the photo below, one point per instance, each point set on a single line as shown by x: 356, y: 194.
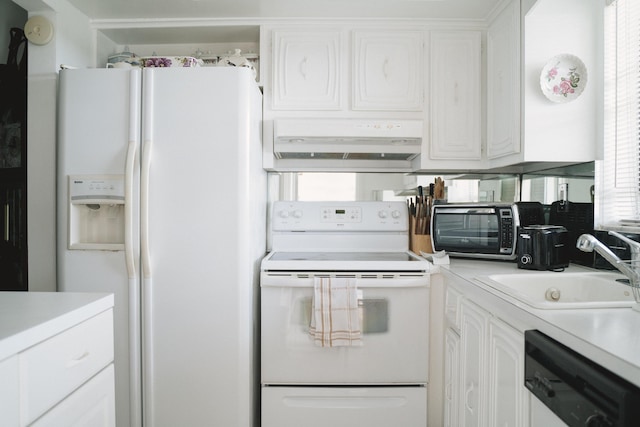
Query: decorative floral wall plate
x: 563, y: 78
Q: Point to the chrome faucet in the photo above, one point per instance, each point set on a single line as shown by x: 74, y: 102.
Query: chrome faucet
x: 631, y: 268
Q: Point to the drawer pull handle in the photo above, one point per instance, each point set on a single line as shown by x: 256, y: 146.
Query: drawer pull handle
x: 467, y: 398
x: 303, y: 68
x: 78, y: 360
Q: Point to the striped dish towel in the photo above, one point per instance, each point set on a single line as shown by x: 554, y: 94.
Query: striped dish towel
x: 335, y: 317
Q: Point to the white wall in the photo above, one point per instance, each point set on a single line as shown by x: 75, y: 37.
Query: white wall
x: 11, y: 15
x: 553, y: 27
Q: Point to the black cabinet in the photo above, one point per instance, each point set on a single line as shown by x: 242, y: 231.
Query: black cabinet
x: 13, y: 166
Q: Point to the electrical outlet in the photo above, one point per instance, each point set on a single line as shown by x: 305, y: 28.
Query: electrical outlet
x: 563, y: 192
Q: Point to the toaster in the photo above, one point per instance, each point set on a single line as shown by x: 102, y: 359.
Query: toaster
x: 543, y: 247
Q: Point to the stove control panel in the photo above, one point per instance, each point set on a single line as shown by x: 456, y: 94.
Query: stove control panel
x: 341, y: 214
x: 338, y: 216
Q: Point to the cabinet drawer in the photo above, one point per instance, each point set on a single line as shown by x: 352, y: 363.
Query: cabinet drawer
x: 56, y: 367
x: 9, y: 392
x: 92, y: 405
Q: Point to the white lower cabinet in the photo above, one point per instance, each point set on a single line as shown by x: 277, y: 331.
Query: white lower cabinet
x: 64, y: 378
x: 483, y: 370
x: 56, y: 367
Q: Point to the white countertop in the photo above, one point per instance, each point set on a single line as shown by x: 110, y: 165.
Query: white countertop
x: 608, y: 336
x: 27, y: 318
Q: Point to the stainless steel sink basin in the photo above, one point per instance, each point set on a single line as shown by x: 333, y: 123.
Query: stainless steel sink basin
x: 549, y: 290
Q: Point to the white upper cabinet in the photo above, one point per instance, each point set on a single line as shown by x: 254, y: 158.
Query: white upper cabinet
x: 455, y: 92
x: 483, y: 364
x: 503, y: 83
x: 523, y: 125
x: 308, y: 70
x: 388, y: 70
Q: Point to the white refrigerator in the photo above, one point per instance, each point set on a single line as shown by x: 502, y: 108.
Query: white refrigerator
x: 162, y: 201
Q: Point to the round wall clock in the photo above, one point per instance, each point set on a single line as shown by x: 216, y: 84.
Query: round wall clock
x: 38, y: 30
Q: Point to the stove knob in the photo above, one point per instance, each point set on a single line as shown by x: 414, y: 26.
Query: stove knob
x: 283, y: 214
x: 598, y: 420
x: 526, y: 259
x: 383, y: 214
x: 297, y: 213
x: 395, y: 214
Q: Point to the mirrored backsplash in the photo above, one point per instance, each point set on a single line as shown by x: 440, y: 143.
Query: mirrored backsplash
x: 573, y: 183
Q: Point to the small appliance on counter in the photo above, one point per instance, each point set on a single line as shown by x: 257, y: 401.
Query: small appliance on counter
x: 475, y: 230
x: 578, y: 219
x: 543, y: 247
x: 531, y: 213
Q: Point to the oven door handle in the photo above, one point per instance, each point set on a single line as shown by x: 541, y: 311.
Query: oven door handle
x: 351, y: 402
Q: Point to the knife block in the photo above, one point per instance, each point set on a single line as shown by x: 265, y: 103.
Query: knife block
x: 418, y: 242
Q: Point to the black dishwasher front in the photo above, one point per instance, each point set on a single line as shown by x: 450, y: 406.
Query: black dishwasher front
x: 577, y: 390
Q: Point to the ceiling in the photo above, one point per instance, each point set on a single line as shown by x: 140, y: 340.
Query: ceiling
x: 209, y: 9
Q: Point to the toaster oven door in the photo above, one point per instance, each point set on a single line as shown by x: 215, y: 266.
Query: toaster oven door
x: 481, y: 232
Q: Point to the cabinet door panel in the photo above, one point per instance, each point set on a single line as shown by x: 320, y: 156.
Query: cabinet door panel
x: 503, y: 84
x: 455, y: 92
x: 307, y: 67
x: 473, y: 360
x: 387, y: 70
x: 451, y: 378
x: 507, y: 400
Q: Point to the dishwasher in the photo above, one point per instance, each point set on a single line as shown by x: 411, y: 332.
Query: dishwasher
x: 573, y: 390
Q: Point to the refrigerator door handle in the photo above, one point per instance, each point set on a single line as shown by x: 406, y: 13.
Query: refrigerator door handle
x: 147, y: 288
x: 147, y: 282
x: 128, y: 212
x: 7, y: 223
x: 144, y: 173
x: 135, y: 376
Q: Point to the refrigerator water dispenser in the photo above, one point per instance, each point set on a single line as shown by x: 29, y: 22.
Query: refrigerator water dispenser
x: 96, y: 212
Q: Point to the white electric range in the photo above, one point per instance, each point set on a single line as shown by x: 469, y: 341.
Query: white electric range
x: 381, y: 382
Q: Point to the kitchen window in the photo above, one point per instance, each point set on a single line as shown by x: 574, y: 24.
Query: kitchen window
x: 618, y: 175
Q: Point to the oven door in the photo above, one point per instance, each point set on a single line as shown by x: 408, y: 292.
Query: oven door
x: 395, y: 313
x: 466, y: 230
x: 475, y: 231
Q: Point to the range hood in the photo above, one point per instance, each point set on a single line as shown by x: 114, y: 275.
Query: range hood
x: 346, y: 144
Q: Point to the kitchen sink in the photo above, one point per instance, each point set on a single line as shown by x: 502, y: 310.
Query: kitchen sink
x: 550, y: 290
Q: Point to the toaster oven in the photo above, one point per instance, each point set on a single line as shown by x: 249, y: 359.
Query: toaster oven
x: 476, y: 230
